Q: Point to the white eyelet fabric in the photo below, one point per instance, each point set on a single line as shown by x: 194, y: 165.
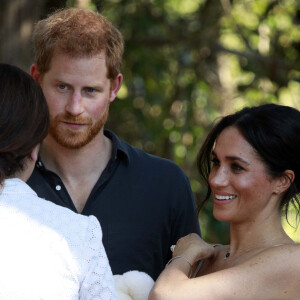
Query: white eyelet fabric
x: 49, y: 252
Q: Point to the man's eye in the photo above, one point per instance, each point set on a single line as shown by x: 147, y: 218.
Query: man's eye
x: 62, y: 87
x: 90, y: 90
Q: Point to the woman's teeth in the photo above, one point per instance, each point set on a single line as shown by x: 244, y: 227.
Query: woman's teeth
x: 219, y: 197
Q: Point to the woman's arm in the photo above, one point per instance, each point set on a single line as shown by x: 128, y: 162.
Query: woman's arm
x: 272, y: 274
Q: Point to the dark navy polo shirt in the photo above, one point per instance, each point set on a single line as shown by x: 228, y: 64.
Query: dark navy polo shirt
x: 144, y: 205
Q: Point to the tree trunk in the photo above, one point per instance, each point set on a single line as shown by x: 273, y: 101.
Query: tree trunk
x: 17, y: 18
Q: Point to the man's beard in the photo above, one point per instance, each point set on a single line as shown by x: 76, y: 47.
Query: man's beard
x: 75, y: 139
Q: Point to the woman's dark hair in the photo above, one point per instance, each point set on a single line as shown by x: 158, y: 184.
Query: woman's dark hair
x: 274, y: 132
x: 24, y: 118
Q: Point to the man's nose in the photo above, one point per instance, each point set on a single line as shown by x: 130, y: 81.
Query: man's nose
x: 75, y: 105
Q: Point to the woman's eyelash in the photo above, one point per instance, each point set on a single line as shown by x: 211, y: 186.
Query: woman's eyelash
x: 237, y: 167
x: 214, y: 161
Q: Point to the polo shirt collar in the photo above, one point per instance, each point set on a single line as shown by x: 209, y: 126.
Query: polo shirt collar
x: 119, y: 147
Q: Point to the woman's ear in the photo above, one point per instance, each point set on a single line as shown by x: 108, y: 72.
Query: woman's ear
x: 35, y: 153
x: 31, y: 158
x: 285, y: 181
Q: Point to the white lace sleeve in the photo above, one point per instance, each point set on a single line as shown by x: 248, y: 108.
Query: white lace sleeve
x: 98, y: 282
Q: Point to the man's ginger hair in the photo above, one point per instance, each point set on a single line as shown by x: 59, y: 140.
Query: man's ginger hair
x: 79, y: 33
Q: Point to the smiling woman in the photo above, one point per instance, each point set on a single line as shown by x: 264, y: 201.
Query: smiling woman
x: 236, y: 170
x: 272, y: 132
x: 250, y: 162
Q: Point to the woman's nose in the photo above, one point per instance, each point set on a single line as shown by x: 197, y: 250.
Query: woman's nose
x: 219, y: 177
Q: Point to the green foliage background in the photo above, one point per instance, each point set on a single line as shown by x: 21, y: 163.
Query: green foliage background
x: 187, y: 62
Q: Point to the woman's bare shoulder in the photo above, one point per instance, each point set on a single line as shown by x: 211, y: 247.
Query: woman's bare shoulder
x: 274, y: 271
x: 286, y: 250
x: 278, y: 253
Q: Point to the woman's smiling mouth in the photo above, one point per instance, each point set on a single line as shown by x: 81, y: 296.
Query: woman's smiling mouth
x: 222, y: 197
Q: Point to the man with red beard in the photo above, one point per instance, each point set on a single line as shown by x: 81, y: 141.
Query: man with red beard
x: 144, y: 203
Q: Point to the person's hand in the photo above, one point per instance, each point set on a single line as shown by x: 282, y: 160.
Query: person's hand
x: 193, y: 248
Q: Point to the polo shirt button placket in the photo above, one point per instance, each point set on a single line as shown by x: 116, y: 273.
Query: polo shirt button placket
x: 58, y: 187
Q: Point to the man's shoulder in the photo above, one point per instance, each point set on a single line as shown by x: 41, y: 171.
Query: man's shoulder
x: 144, y: 158
x: 138, y: 157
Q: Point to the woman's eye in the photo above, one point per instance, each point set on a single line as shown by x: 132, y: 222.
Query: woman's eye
x: 215, y: 162
x: 237, y: 167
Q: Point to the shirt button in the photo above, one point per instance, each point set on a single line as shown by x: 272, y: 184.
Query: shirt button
x: 58, y: 187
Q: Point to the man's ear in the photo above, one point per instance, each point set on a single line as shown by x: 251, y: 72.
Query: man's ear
x: 285, y: 181
x: 34, y: 153
x: 35, y: 73
x: 115, y: 87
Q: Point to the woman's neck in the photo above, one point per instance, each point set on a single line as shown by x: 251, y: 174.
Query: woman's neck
x: 256, y: 236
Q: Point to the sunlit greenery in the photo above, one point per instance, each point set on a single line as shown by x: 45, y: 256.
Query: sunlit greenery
x: 188, y: 62
x: 290, y: 225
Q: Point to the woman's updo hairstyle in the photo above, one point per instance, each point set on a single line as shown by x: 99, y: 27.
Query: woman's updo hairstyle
x: 274, y: 132
x: 24, y: 118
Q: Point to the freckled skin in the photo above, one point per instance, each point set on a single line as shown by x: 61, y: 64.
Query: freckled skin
x: 263, y: 259
x: 245, y: 178
x: 78, y: 104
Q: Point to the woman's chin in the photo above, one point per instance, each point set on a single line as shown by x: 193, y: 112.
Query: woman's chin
x: 221, y: 216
